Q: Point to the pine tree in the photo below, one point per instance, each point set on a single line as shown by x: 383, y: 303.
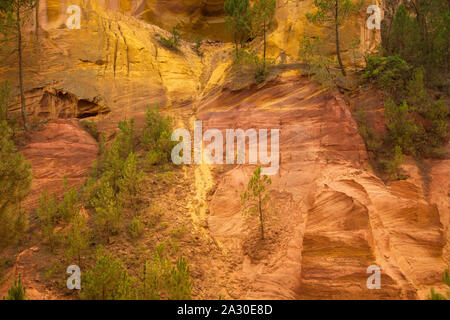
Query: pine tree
x: 264, y: 13
x: 77, y: 237
x: 437, y: 296
x: 131, y: 183
x: 238, y: 20
x: 49, y: 218
x: 255, y: 199
x: 107, y: 280
x: 15, y: 183
x: 13, y: 15
x: 334, y: 13
x: 17, y: 291
x: 108, y: 210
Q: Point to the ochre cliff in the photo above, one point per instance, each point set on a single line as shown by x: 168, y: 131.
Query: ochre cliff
x: 333, y: 217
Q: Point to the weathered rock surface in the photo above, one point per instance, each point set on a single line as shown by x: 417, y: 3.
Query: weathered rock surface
x: 332, y: 218
x: 335, y: 218
x: 62, y: 149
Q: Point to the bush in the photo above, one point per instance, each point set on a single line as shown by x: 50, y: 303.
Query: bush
x: 107, y: 280
x: 69, y: 205
x: 174, y: 41
x: 197, y: 45
x: 402, y: 129
x: 131, y: 184
x: 162, y: 279
x: 77, y: 238
x: 91, y: 127
x: 108, y: 210
x: 13, y: 189
x: 156, y: 137
x: 49, y: 218
x: 438, y: 296
x: 136, y: 227
x: 126, y: 140
x: 255, y: 199
x: 390, y: 73
x: 17, y: 291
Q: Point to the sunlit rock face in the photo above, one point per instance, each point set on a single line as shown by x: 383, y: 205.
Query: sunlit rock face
x: 195, y: 18
x: 335, y: 217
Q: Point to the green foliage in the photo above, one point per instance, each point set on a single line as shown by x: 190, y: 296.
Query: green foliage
x: 69, y: 205
x: 107, y: 280
x: 437, y: 296
x: 354, y: 45
x: 371, y: 138
x: 131, y: 184
x: 5, y: 96
x: 49, y: 218
x: 162, y: 279
x: 91, y: 127
x: 239, y: 21
x: 17, y: 291
x: 334, y: 14
x: 391, y: 73
x: 14, y: 187
x: 326, y: 11
x: 136, y: 227
x: 174, y: 41
x: 156, y: 137
x: 249, y: 57
x: 263, y: 12
x: 126, y: 140
x: 402, y: 129
x: 420, y: 34
x: 317, y: 65
x: 77, y: 237
x: 256, y: 198
x: 197, y: 45
x: 108, y: 210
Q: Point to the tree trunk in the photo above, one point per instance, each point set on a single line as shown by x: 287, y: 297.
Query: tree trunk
x: 338, y: 48
x: 265, y: 45
x: 37, y: 19
x: 261, y: 217
x: 236, y: 44
x: 19, y: 48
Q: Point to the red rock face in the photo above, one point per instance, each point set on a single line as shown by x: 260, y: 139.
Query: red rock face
x: 62, y: 149
x: 331, y: 219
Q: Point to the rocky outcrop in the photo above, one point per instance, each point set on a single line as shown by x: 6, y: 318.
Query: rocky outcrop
x: 331, y: 217
x: 63, y: 149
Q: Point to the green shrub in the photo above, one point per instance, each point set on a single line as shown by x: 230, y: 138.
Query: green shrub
x: 49, y: 218
x: 403, y: 130
x: 107, y: 280
x: 156, y: 137
x: 108, y: 210
x: 131, y: 184
x: 91, y: 127
x: 127, y: 139
x: 370, y: 137
x: 174, y: 41
x: 255, y: 200
x: 69, y: 205
x: 17, y: 291
x: 162, y: 279
x: 77, y: 238
x: 136, y: 227
x: 14, y: 187
x: 197, y: 45
x: 438, y: 296
x: 390, y: 73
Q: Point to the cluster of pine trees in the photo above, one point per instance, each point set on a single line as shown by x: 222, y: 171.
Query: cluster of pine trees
x: 247, y: 22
